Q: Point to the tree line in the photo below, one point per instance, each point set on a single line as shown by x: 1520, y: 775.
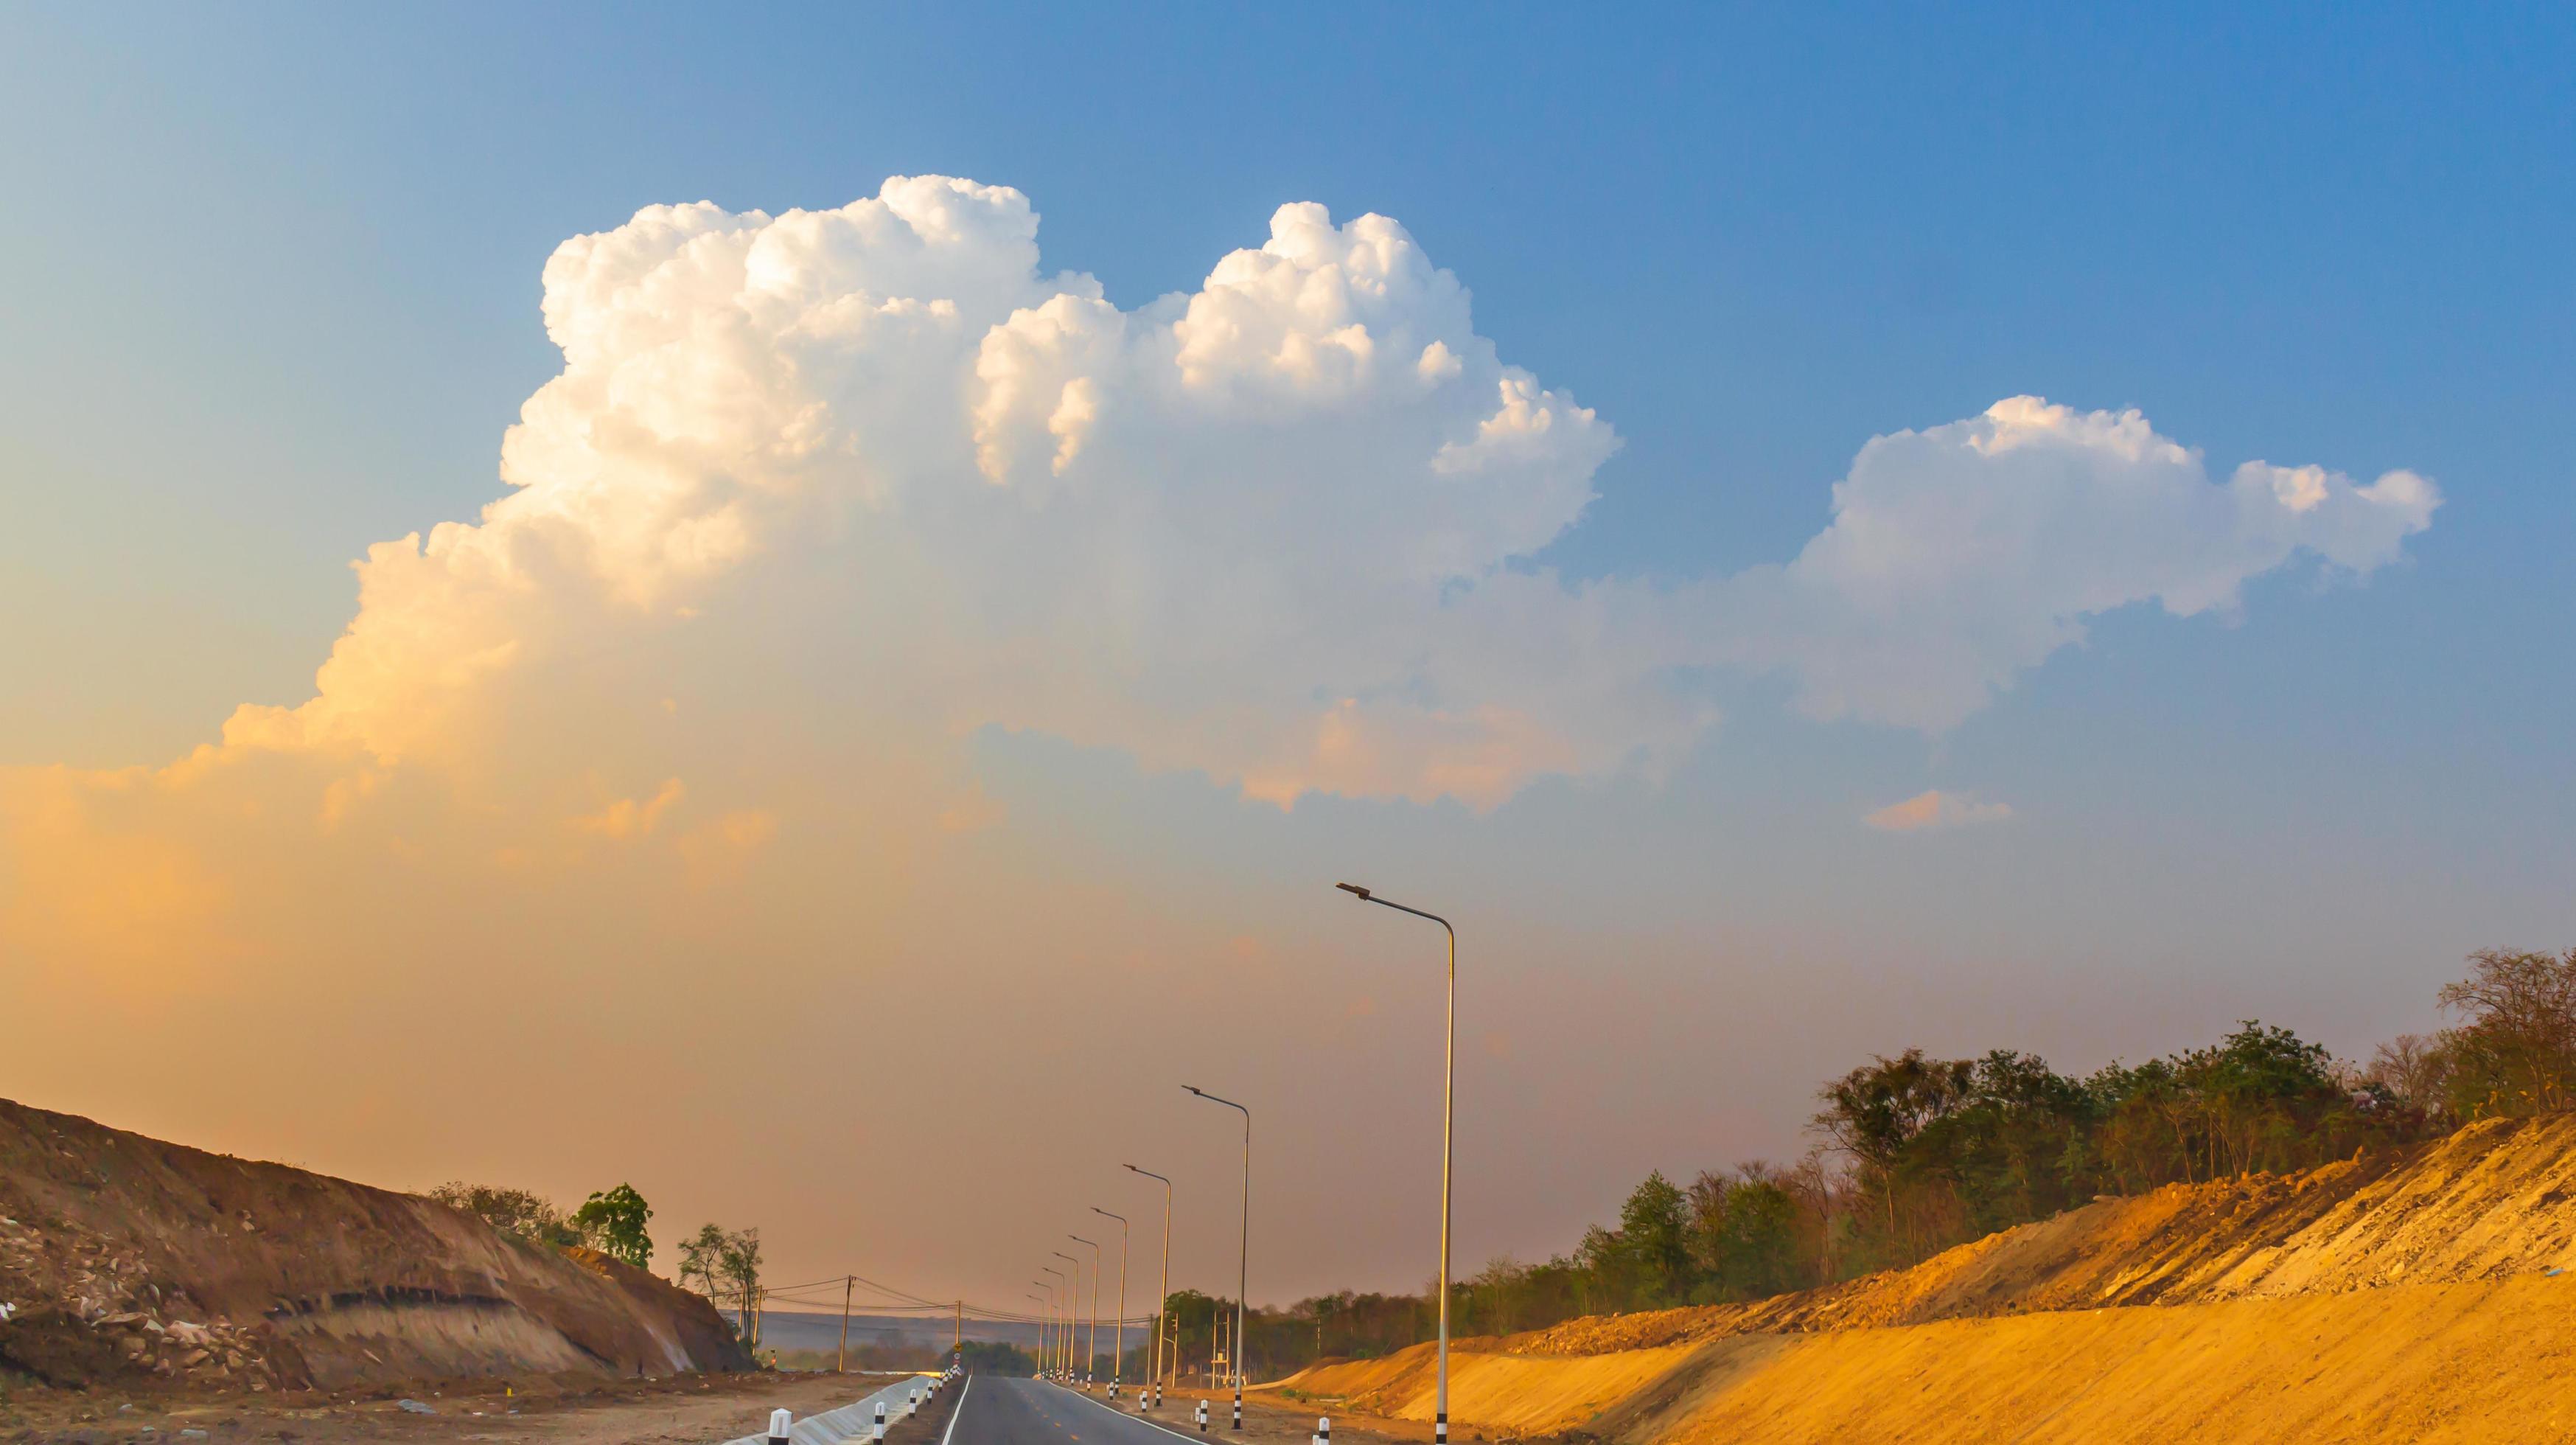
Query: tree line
x: 1915, y: 1154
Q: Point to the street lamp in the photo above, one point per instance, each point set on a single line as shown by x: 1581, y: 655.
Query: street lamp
x: 1091, y: 1343
x: 1073, y: 1314
x: 1062, y: 1355
x: 1448, y: 1105
x: 1118, y: 1341
x: 1163, y: 1294
x: 1243, y: 1250
x: 1042, y: 1324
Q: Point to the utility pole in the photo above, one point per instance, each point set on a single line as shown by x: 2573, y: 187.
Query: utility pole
x: 842, y: 1365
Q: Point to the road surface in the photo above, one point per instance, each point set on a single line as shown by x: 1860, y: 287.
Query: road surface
x: 1014, y: 1410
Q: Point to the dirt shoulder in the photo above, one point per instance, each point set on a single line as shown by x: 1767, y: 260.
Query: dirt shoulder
x: 565, y: 1410
x: 1270, y: 1419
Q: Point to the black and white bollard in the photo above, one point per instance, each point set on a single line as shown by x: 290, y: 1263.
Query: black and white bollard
x: 1440, y: 1428
x: 779, y: 1423
x: 1238, y: 1407
x: 912, y: 1400
x: 1158, y: 1394
x: 1202, y: 1417
x: 1323, y: 1430
x: 880, y: 1432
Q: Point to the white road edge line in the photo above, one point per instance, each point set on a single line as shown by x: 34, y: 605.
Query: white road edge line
x: 1121, y: 1414
x: 956, y: 1410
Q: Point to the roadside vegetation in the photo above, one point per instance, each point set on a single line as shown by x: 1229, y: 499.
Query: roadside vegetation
x: 721, y: 1264
x: 1915, y: 1154
x: 613, y: 1221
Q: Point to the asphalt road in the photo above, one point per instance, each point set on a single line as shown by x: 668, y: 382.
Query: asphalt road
x: 1013, y: 1410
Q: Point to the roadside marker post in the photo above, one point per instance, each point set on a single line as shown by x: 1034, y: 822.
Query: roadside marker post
x: 880, y: 1431
x: 1202, y: 1417
x: 780, y: 1421
x: 912, y: 1400
x: 1238, y: 1404
x: 1323, y: 1430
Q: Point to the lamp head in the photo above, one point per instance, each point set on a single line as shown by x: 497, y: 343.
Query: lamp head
x: 1354, y: 890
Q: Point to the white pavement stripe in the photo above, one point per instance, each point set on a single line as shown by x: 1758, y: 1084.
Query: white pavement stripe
x: 956, y: 1410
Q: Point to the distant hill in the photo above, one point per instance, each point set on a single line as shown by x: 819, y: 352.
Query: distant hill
x: 785, y: 1330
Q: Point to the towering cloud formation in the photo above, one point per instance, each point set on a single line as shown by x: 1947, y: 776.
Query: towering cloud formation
x: 1265, y: 529
x: 661, y: 753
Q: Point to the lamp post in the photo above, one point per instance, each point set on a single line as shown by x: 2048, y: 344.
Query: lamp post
x: 1042, y: 1325
x: 1448, y: 1105
x: 1163, y: 1293
x: 1091, y: 1342
x: 1243, y: 1250
x: 1062, y: 1355
x: 1072, y: 1315
x: 1118, y: 1338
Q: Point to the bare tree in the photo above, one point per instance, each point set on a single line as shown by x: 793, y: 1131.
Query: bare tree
x: 2514, y: 1051
x: 2416, y: 1069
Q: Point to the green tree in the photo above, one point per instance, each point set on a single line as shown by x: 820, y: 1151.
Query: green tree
x: 1757, y: 1257
x: 993, y: 1357
x: 614, y: 1222
x: 701, y: 1256
x: 1874, y: 1112
x: 1654, y: 1242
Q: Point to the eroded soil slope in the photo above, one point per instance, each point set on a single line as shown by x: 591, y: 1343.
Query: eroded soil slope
x: 2451, y: 1221
x: 126, y: 1258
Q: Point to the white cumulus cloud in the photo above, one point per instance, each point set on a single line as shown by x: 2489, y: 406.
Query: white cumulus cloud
x: 1276, y: 529
x: 1962, y: 554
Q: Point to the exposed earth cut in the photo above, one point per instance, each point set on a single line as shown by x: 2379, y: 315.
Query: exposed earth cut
x: 2415, y: 1296
x: 125, y: 1260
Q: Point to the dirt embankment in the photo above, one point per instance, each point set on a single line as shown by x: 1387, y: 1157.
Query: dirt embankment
x: 2375, y: 1299
x: 126, y: 1259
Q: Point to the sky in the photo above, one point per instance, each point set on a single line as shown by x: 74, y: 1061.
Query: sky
x: 801, y: 608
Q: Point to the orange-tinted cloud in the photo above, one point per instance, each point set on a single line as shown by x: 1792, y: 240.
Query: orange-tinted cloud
x: 1936, y: 809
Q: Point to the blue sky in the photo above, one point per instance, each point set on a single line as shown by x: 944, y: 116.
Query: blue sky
x: 274, y: 297
x: 285, y: 258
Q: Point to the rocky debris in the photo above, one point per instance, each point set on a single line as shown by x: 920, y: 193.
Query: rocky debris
x: 123, y: 1257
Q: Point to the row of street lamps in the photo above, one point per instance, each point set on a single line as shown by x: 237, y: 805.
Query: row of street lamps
x: 1057, y: 1351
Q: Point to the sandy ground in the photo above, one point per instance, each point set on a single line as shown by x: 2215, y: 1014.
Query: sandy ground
x: 2399, y: 1365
